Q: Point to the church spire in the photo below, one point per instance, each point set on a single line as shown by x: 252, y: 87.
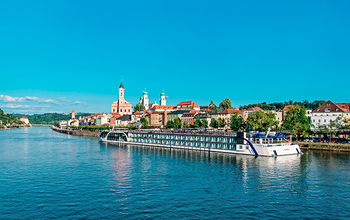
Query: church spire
x: 121, y: 85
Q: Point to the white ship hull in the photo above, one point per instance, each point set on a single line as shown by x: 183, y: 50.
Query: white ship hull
x: 268, y: 150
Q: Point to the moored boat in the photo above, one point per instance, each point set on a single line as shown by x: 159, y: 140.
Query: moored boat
x: 255, y: 144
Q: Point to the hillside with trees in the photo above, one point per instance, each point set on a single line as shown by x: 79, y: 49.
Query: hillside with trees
x: 8, y: 118
x: 280, y: 105
x: 50, y: 118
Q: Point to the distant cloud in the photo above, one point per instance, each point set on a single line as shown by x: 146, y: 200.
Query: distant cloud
x: 15, y: 106
x: 30, y: 104
x: 6, y: 98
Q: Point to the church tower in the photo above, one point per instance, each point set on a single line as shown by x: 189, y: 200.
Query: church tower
x: 121, y: 106
x: 162, y: 99
x: 121, y: 92
x: 144, y: 100
x: 73, y: 113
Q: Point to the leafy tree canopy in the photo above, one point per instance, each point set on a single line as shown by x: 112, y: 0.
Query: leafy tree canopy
x: 280, y: 105
x: 140, y: 107
x: 204, y: 123
x: 236, y: 122
x: 296, y: 121
x: 226, y: 104
x: 214, y: 123
x: 261, y: 121
x: 212, y: 106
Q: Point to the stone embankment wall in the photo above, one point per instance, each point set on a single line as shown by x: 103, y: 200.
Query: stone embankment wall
x: 77, y: 132
x: 325, y: 146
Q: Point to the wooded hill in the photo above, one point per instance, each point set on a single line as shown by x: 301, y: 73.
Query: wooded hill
x: 50, y: 118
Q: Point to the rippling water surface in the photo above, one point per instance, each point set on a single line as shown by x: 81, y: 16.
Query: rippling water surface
x: 45, y: 175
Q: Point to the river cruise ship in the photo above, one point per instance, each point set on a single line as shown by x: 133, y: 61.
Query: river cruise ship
x: 255, y: 144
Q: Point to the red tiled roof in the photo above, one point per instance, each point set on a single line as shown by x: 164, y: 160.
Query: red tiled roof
x: 330, y: 106
x: 90, y: 116
x: 192, y: 104
x: 344, y: 106
x: 256, y: 108
x: 116, y: 114
x: 163, y: 107
x: 288, y: 107
x: 230, y: 111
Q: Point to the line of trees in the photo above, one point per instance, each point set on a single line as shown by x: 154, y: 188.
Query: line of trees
x: 8, y: 118
x: 50, y: 118
x: 280, y: 105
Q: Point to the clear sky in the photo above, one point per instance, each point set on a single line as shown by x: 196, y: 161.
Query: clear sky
x: 56, y: 55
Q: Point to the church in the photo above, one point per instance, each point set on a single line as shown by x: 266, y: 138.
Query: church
x: 121, y: 106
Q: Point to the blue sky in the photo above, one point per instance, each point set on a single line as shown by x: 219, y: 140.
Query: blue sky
x: 75, y: 53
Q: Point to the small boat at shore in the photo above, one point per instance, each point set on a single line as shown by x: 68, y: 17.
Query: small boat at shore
x: 255, y: 144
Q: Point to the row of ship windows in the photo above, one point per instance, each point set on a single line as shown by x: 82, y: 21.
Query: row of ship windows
x: 187, y: 144
x: 197, y: 138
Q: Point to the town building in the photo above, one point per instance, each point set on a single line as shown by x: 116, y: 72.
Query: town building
x: 187, y: 105
x: 246, y: 112
x: 124, y: 120
x: 156, y: 119
x: 278, y: 116
x: 322, y: 116
x: 176, y: 114
x: 162, y: 99
x: 205, y: 109
x: 204, y: 116
x: 188, y: 117
x: 162, y: 108
x: 122, y: 106
x: 73, y: 121
x: 103, y: 119
x: 144, y: 100
x: 25, y: 120
x: 227, y: 113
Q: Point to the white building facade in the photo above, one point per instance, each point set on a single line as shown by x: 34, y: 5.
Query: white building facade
x: 327, y: 113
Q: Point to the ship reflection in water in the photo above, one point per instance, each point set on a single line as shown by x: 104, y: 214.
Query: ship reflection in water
x: 280, y: 184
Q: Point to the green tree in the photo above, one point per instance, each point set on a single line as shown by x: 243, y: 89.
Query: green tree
x: 185, y: 124
x: 255, y: 120
x: 197, y: 123
x: 262, y: 121
x: 236, y: 122
x: 214, y: 123
x: 144, y: 122
x: 297, y: 122
x: 177, y: 123
x: 170, y: 124
x: 212, y: 106
x: 204, y: 123
x: 139, y: 107
x: 226, y: 104
x: 221, y: 122
x: 334, y: 126
x: 269, y: 121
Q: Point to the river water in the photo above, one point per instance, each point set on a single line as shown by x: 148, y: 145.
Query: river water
x: 46, y: 175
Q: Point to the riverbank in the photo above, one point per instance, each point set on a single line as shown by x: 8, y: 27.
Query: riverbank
x: 302, y: 145
x: 324, y: 146
x: 76, y: 132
